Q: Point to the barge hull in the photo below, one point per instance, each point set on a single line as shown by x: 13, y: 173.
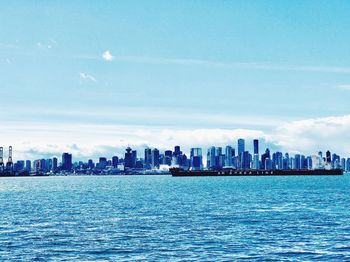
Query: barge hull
x: 317, y: 172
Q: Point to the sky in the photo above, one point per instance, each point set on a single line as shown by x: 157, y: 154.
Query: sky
x: 92, y: 77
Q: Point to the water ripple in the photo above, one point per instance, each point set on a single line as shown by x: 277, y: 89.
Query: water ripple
x: 163, y: 218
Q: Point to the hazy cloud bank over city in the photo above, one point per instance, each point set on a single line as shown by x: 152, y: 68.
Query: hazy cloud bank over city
x: 93, y: 140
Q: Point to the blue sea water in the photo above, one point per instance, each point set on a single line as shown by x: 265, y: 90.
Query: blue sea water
x: 155, y: 218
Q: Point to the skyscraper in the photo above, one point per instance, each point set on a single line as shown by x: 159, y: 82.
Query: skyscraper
x: 133, y: 157
x: 67, y: 161
x: 128, y: 158
x: 211, y: 158
x: 228, y: 156
x: 102, y: 163
x: 297, y: 163
x: 115, y: 161
x: 177, y: 151
x: 219, y: 158
x: 168, y: 155
x: 241, y: 146
x: 256, y: 146
x: 91, y: 164
x: 256, y: 154
x: 241, y: 149
x: 246, y: 159
x: 155, y: 158
x: 54, y: 164
x: 265, y: 159
x: 196, y: 159
x: 328, y: 157
x: 148, y: 158
x: 29, y: 165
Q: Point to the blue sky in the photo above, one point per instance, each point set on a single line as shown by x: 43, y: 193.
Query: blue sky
x: 173, y: 66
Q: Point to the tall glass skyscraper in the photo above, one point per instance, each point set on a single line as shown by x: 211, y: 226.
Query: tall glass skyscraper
x: 241, y: 149
x: 155, y: 158
x: 256, y: 146
x: 196, y: 159
x: 228, y: 156
x: 241, y: 146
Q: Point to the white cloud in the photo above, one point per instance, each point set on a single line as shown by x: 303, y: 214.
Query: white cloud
x: 235, y: 65
x: 8, y: 45
x: 88, y: 77
x: 107, y: 56
x: 33, y: 140
x: 311, y: 135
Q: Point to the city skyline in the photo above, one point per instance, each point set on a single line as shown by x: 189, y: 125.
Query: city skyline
x: 93, y: 78
x: 236, y: 157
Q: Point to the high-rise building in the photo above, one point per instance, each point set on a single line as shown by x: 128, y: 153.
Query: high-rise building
x: 343, y: 163
x: 54, y: 164
x: 155, y: 158
x: 256, y: 146
x: 286, y: 161
x: 148, y: 158
x: 19, y: 165
x: 211, y: 158
x: 335, y: 161
x: 128, y: 158
x: 177, y: 158
x: 256, y: 164
x: 228, y: 156
x: 168, y: 155
x: 265, y: 156
x: 48, y: 164
x: 277, y: 160
x: 43, y: 165
x: 219, y: 158
x: 177, y: 151
x: 28, y: 165
x: 115, y: 161
x: 246, y: 159
x: 320, y: 154
x: 328, y: 157
x: 91, y: 164
x: 241, y: 149
x: 303, y: 162
x: 67, y: 161
x: 297, y: 163
x: 102, y: 163
x: 134, y: 157
x: 196, y: 159
x: 241, y: 146
x: 347, y: 169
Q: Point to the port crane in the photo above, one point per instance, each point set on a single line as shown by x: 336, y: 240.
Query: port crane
x: 9, y: 164
x: 2, y: 159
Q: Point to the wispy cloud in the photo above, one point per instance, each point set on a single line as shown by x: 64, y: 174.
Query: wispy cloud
x: 87, y: 77
x: 261, y: 66
x: 268, y: 66
x: 6, y: 60
x: 107, y: 56
x: 8, y: 45
x: 343, y: 87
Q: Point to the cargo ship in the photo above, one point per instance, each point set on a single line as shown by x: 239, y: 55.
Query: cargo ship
x: 179, y: 172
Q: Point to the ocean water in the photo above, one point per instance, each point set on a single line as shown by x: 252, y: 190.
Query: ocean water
x: 151, y: 218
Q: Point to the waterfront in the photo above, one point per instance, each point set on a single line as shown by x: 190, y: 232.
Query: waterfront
x: 162, y: 217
